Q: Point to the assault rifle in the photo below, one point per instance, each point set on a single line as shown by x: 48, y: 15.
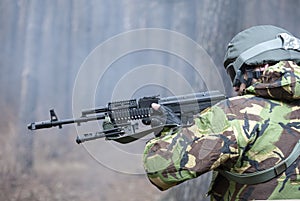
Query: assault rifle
x: 123, y: 127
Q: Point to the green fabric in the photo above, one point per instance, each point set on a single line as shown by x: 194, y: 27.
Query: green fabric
x: 243, y: 134
x: 280, y: 81
x: 265, y: 175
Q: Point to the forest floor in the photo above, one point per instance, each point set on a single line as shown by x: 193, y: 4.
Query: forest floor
x: 64, y: 172
x: 65, y: 181
x: 46, y: 188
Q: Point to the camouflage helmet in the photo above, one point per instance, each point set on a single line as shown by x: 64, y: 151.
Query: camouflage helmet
x: 260, y: 45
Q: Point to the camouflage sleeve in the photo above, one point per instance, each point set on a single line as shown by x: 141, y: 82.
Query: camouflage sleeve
x: 189, y: 152
x: 280, y: 81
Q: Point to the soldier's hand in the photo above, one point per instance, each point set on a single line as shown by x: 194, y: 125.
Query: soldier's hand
x: 163, y: 115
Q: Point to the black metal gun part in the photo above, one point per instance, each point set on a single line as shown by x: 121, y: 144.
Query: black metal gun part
x: 124, y: 114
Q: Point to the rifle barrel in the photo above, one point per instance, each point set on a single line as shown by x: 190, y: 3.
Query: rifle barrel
x: 59, y: 123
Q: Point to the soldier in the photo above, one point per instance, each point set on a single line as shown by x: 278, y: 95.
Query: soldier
x: 251, y: 141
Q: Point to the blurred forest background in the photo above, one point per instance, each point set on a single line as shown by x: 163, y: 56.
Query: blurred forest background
x: 43, y: 45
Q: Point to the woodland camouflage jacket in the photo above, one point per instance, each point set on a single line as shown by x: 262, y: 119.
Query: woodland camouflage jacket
x: 243, y: 134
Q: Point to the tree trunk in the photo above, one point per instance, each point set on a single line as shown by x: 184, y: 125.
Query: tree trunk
x: 24, y: 141
x: 28, y: 89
